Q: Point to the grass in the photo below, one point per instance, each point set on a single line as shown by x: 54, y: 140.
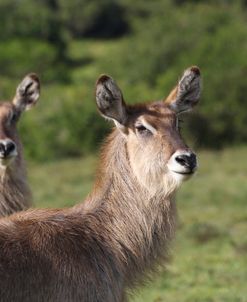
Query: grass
x: 210, y: 250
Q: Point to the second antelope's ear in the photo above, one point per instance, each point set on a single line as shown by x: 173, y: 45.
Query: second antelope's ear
x: 110, y: 101
x: 187, y: 93
x: 27, y: 92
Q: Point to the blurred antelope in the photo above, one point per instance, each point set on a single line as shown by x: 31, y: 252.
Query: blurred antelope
x: 99, y: 249
x: 15, y: 194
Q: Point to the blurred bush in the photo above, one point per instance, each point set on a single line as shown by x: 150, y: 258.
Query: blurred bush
x: 66, y: 126
x: 144, y: 45
x: 167, y: 39
x: 19, y: 56
x: 94, y: 18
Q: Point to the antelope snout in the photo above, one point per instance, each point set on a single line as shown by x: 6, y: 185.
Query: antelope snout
x: 183, y: 162
x: 187, y: 160
x: 7, y: 149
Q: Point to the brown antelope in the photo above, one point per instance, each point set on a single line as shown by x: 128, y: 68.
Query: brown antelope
x: 97, y: 250
x: 15, y: 194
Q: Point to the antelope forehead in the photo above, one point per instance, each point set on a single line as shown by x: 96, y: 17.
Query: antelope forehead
x: 161, y: 122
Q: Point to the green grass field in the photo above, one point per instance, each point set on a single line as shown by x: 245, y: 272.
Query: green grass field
x: 209, y: 261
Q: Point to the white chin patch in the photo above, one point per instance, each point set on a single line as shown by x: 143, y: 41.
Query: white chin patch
x: 178, y: 171
x: 179, y: 177
x: 5, y: 162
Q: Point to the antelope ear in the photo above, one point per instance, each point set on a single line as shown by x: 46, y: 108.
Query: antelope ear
x: 27, y: 92
x: 187, y: 93
x: 110, y: 101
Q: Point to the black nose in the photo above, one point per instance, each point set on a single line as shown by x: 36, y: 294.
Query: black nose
x: 6, y: 148
x: 188, y: 161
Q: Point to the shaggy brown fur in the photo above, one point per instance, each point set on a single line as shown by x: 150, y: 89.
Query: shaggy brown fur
x: 15, y: 194
x: 95, y: 251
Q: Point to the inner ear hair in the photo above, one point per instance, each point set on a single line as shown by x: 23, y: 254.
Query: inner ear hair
x: 27, y: 92
x: 187, y: 93
x: 110, y: 101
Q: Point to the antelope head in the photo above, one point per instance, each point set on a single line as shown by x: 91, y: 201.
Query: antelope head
x: 157, y: 154
x: 27, y: 94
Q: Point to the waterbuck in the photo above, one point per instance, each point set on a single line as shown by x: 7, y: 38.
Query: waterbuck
x: 15, y: 194
x: 97, y: 250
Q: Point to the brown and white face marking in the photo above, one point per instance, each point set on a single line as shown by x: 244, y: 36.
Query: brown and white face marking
x: 27, y: 94
x: 158, y: 155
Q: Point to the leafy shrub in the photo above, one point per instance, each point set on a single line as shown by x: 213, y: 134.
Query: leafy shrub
x: 162, y: 38
x: 168, y: 39
x: 93, y: 18
x: 64, y: 124
x: 19, y: 56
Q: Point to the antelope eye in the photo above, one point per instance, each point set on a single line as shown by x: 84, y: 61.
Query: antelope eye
x: 142, y: 129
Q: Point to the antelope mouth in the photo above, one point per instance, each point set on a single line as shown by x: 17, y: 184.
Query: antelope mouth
x: 182, y: 175
x: 182, y: 164
x: 184, y: 172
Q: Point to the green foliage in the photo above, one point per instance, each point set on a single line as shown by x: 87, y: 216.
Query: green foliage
x: 33, y: 39
x: 25, y: 18
x: 210, y: 36
x: 62, y: 125
x: 93, y: 18
x: 151, y: 43
x: 20, y: 56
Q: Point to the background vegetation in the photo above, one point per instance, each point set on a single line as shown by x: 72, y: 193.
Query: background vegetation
x: 144, y: 45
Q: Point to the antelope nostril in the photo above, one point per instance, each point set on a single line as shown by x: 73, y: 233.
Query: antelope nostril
x: 6, y: 148
x: 187, y: 160
x: 9, y: 147
x: 181, y: 159
x: 2, y: 148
